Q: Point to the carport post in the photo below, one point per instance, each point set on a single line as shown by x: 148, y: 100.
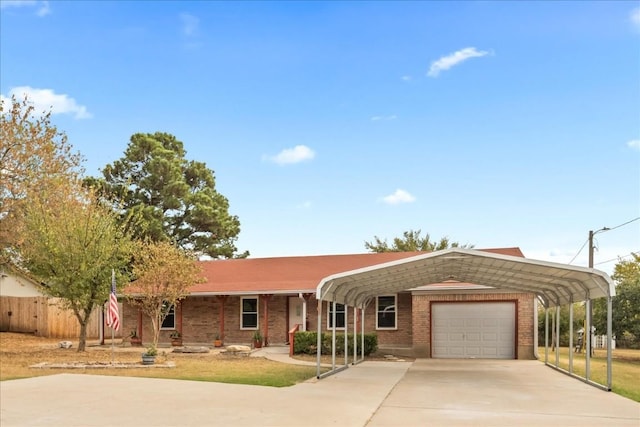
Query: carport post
x: 319, y: 339
x: 333, y: 334
x: 609, y: 341
x: 571, y: 337
x: 355, y: 335
x: 587, y: 336
x: 346, y: 330
x: 546, y: 335
x: 557, y: 343
x: 362, y: 333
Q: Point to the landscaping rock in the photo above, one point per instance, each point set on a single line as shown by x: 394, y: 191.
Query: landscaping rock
x: 238, y: 348
x: 191, y: 350
x: 65, y: 344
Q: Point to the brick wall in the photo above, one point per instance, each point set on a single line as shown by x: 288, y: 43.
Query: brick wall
x: 199, y: 317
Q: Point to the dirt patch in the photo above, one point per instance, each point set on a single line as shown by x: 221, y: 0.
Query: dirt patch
x: 20, y: 351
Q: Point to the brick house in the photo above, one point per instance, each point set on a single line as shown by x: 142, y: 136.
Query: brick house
x: 448, y: 319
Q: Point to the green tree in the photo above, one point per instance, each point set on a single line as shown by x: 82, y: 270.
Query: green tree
x: 34, y: 156
x: 625, y: 305
x: 163, y: 274
x: 72, y: 242
x: 412, y: 241
x: 166, y: 197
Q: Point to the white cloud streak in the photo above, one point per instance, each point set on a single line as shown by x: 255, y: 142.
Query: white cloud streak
x: 383, y: 118
x: 297, y: 154
x: 399, y: 196
x: 454, y: 59
x: 634, y: 144
x: 44, y: 100
x: 634, y: 17
x: 43, y: 6
x: 190, y: 24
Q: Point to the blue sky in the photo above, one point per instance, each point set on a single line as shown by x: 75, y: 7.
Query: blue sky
x: 328, y: 123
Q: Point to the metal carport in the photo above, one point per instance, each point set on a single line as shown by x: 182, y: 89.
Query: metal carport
x: 555, y: 285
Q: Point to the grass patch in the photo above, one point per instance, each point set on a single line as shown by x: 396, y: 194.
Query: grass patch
x: 18, y: 352
x: 625, y: 368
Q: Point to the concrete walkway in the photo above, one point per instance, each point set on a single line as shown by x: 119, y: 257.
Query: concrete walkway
x: 431, y: 392
x: 281, y: 354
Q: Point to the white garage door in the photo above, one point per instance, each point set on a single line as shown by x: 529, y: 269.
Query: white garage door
x: 484, y: 330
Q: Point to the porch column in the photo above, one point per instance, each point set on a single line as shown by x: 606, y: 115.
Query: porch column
x: 222, y: 299
x: 265, y: 326
x: 305, y: 300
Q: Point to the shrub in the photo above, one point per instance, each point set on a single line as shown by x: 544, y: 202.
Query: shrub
x: 307, y: 343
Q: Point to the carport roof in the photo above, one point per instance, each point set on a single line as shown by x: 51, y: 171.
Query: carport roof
x: 556, y: 284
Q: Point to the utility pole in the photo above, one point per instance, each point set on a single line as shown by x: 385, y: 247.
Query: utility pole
x: 590, y: 312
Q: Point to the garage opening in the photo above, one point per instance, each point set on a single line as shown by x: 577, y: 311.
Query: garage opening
x: 466, y: 330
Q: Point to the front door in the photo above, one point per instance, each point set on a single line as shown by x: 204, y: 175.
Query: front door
x: 295, y: 312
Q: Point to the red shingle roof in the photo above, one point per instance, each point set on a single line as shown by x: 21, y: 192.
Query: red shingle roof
x: 291, y: 274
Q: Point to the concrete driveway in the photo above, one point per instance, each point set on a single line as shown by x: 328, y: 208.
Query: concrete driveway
x: 426, y: 392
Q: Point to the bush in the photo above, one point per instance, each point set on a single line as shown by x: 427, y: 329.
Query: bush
x: 307, y: 343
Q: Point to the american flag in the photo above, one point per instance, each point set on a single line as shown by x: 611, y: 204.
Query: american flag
x: 113, y: 316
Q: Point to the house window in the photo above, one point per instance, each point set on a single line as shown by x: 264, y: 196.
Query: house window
x: 169, y: 322
x: 339, y: 316
x: 249, y: 313
x: 386, y: 312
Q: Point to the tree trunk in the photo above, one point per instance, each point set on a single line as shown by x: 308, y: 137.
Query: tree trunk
x: 83, y: 335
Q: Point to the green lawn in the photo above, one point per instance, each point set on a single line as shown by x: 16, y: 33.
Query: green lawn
x: 625, y: 368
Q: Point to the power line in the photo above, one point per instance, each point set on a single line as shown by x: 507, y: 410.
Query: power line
x: 629, y: 255
x: 622, y: 225
x: 603, y: 229
x: 580, y: 250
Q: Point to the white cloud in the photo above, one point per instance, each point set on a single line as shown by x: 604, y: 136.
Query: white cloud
x: 406, y: 78
x: 44, y: 100
x: 43, y: 6
x: 634, y: 144
x: 190, y: 24
x: 634, y: 17
x: 453, y: 59
x: 297, y: 154
x: 305, y: 205
x: 400, y: 196
x: 383, y: 118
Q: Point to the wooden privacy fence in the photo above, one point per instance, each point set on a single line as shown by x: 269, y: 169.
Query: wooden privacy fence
x: 43, y: 317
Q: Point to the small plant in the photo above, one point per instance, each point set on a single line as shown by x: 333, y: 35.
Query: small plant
x: 151, y: 351
x: 175, y: 334
x: 257, y: 336
x: 133, y: 334
x: 217, y: 336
